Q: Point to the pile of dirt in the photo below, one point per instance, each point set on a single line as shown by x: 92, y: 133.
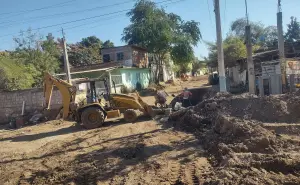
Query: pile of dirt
x: 240, y: 148
x: 276, y: 108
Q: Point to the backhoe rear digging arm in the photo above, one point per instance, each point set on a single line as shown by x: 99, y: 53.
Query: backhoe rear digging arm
x: 67, y: 91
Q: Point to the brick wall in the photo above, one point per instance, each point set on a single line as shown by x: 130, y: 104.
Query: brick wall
x: 126, y: 50
x: 11, y: 102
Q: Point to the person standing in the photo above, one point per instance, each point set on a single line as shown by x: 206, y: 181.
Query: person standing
x: 186, y: 95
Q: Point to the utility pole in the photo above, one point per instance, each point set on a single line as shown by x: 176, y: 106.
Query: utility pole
x: 251, y: 72
x: 281, y: 45
x: 222, y: 78
x: 66, y: 58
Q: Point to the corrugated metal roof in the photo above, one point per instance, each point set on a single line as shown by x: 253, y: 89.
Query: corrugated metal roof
x: 88, y: 71
x: 265, y: 52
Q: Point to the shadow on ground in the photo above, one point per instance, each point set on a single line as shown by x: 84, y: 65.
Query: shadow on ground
x: 72, y: 129
x: 117, y: 157
x: 62, y: 131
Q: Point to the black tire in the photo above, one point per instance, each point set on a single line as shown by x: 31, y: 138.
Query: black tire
x: 130, y: 115
x: 92, y: 117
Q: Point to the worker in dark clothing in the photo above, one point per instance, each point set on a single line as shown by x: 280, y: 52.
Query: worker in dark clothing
x: 186, y: 95
x: 161, y: 98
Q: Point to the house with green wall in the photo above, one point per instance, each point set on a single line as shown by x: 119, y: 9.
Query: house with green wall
x: 123, y: 67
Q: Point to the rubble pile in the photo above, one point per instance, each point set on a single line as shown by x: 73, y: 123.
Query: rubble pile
x: 230, y: 127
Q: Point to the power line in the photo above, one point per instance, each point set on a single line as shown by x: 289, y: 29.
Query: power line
x: 66, y: 13
x: 174, y: 2
x: 100, y: 25
x: 109, y: 18
x: 68, y: 22
x: 37, y: 9
x: 78, y: 20
x: 97, y: 21
x: 76, y: 26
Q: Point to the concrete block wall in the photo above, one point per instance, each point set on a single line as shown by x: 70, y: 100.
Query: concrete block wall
x: 11, y: 102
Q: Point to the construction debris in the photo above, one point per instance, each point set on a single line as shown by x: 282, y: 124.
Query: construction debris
x: 36, y: 117
x: 178, y: 106
x: 230, y: 128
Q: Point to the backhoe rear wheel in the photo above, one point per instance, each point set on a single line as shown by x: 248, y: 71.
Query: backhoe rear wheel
x: 92, y: 117
x: 130, y: 115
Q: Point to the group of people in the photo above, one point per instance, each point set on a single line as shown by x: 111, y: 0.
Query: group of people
x: 185, y: 96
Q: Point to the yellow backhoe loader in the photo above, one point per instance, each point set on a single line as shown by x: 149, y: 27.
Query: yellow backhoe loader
x: 93, y: 115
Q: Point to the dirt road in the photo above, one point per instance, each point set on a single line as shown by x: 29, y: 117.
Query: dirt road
x: 236, y: 140
x: 54, y: 153
x: 58, y: 152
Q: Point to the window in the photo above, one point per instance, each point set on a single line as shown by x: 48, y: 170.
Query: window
x: 120, y: 56
x: 106, y: 58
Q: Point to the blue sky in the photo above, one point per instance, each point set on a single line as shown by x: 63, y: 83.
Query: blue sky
x: 15, y: 17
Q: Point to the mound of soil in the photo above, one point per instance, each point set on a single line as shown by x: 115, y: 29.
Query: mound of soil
x: 277, y: 108
x: 230, y: 129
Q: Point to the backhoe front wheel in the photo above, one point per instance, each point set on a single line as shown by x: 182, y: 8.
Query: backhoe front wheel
x: 131, y: 115
x: 92, y: 117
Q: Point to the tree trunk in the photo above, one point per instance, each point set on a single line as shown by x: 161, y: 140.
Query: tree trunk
x: 156, y: 78
x: 159, y: 64
x: 156, y: 75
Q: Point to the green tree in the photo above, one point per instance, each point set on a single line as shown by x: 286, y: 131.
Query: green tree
x: 91, y: 41
x: 234, y: 49
x: 14, y: 76
x: 108, y: 44
x: 261, y: 35
x: 197, y: 65
x: 88, y: 51
x: 34, y: 57
x: 51, y: 47
x: 234, y: 44
x: 293, y: 30
x: 270, y: 37
x: 184, y: 67
x: 80, y: 56
x: 161, y: 33
x: 212, y: 58
x: 28, y: 40
x: 238, y: 29
x: 182, y: 52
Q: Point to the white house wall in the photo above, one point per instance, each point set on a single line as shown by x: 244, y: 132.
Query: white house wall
x: 236, y: 76
x: 167, y: 73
